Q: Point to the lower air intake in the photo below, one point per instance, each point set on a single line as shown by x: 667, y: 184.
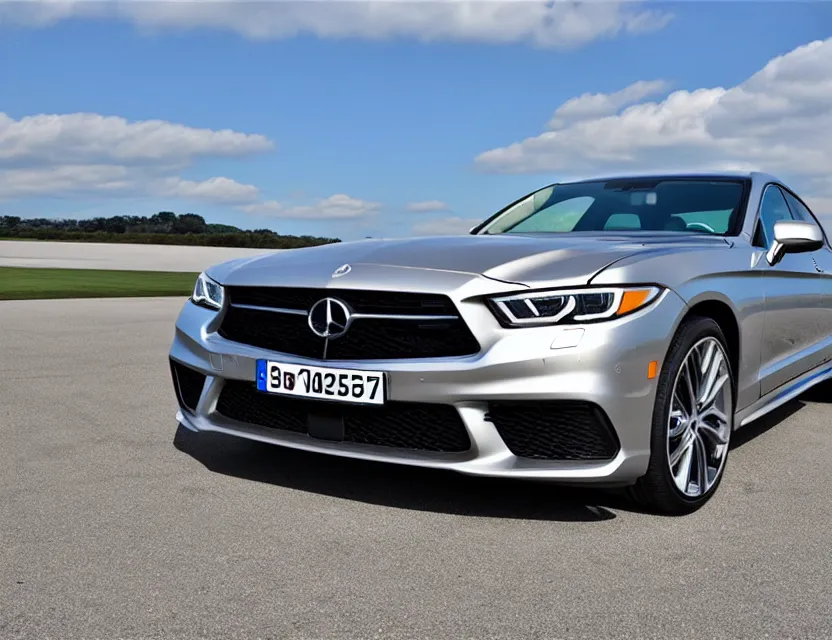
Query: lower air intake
x: 555, y: 430
x: 188, y: 385
x: 401, y: 425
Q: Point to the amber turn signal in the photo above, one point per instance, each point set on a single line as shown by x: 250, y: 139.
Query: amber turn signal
x: 633, y: 299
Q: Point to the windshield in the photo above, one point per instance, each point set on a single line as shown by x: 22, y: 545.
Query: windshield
x: 671, y: 204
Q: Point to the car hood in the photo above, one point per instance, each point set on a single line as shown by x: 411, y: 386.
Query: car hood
x: 565, y: 260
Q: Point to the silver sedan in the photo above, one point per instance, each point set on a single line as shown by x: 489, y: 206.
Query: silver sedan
x: 611, y: 332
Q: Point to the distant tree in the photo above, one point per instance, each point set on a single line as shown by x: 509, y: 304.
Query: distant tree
x: 94, y: 224
x: 189, y: 223
x: 165, y: 217
x: 116, y: 224
x: 164, y: 227
x: 220, y: 228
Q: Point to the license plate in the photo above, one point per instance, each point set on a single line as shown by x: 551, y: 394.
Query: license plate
x: 344, y: 385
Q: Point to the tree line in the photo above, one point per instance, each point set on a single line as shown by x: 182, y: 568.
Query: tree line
x: 164, y: 227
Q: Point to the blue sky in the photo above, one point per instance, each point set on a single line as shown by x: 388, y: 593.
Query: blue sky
x: 383, y: 123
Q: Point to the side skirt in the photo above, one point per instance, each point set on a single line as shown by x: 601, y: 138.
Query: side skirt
x: 780, y: 396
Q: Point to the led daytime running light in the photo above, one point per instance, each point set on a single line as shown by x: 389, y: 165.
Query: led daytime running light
x: 619, y: 302
x: 208, y: 293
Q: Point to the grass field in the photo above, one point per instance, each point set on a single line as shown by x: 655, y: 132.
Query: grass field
x: 20, y: 283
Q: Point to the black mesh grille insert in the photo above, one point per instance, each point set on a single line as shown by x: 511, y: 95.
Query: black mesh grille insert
x: 241, y: 401
x: 394, y: 339
x: 555, y: 430
x: 403, y: 425
x: 274, y: 331
x: 367, y: 338
x: 188, y: 384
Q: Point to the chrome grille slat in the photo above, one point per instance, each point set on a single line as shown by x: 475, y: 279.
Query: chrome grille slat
x: 253, y: 307
x: 354, y: 316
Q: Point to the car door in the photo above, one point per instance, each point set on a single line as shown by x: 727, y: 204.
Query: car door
x: 822, y: 261
x: 793, y: 326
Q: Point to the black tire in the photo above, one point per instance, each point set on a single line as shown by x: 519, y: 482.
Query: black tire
x: 656, y: 490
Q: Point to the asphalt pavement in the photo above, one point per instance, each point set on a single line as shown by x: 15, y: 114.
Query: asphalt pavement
x: 113, y: 526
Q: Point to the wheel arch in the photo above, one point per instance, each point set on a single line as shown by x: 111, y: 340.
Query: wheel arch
x: 724, y: 315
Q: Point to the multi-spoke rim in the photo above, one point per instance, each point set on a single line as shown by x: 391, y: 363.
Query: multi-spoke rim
x: 700, y: 419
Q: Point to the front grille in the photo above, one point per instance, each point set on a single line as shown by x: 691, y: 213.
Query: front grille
x: 188, y: 385
x: 386, y: 338
x: 555, y: 430
x: 402, y: 425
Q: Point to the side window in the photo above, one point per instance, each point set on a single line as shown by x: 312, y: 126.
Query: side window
x: 799, y: 210
x: 772, y: 209
x: 802, y: 212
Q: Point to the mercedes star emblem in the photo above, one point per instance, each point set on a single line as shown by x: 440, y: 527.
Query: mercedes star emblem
x: 329, y: 318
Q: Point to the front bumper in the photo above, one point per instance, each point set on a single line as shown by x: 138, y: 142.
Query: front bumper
x: 608, y: 368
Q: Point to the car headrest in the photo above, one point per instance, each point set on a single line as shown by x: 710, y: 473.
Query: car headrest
x: 675, y: 224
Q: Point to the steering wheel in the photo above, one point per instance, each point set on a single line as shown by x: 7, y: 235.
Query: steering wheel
x: 700, y: 225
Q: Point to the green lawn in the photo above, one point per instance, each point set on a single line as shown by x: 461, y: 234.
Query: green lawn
x: 20, y: 283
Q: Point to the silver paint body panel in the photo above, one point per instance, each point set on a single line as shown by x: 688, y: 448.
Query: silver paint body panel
x: 784, y: 315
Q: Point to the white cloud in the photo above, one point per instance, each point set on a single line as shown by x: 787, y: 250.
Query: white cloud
x: 335, y: 207
x: 778, y: 120
x: 214, y: 190
x: 560, y: 24
x: 427, y: 206
x: 597, y: 105
x: 114, y: 180
x: 91, y: 138
x: 64, y: 180
x: 87, y: 153
x: 445, y: 226
x: 265, y: 208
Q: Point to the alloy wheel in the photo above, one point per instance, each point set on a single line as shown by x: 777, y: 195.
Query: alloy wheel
x: 700, y: 419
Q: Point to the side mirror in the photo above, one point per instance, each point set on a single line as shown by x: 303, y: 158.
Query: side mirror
x: 793, y: 236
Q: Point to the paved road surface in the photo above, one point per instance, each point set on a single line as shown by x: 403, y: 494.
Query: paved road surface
x: 133, y: 257
x: 107, y: 530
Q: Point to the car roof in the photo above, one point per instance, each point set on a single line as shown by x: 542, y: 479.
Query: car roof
x: 755, y: 176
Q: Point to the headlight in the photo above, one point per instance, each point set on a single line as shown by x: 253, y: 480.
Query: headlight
x: 572, y: 306
x: 207, y: 293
